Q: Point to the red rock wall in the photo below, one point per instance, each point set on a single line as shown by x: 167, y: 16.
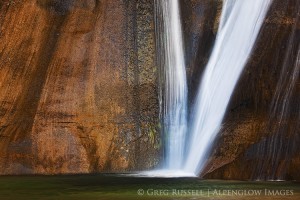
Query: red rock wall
x: 78, y: 88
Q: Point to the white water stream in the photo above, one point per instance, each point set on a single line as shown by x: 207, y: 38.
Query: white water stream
x: 240, y: 24
x: 175, y: 97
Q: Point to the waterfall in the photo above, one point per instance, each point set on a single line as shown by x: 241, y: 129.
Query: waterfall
x: 240, y: 24
x: 175, y: 84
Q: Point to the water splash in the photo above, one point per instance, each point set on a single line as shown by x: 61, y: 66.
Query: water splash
x: 240, y: 23
x: 175, y: 84
x: 166, y: 173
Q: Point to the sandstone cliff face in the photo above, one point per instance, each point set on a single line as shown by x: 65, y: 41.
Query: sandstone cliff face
x: 78, y: 86
x: 79, y: 89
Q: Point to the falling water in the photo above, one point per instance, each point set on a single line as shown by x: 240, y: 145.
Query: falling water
x: 240, y: 23
x: 175, y: 97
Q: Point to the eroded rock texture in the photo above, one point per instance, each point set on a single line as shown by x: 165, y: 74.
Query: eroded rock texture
x: 78, y: 86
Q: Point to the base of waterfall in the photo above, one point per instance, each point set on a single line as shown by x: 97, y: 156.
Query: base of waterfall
x: 165, y: 173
